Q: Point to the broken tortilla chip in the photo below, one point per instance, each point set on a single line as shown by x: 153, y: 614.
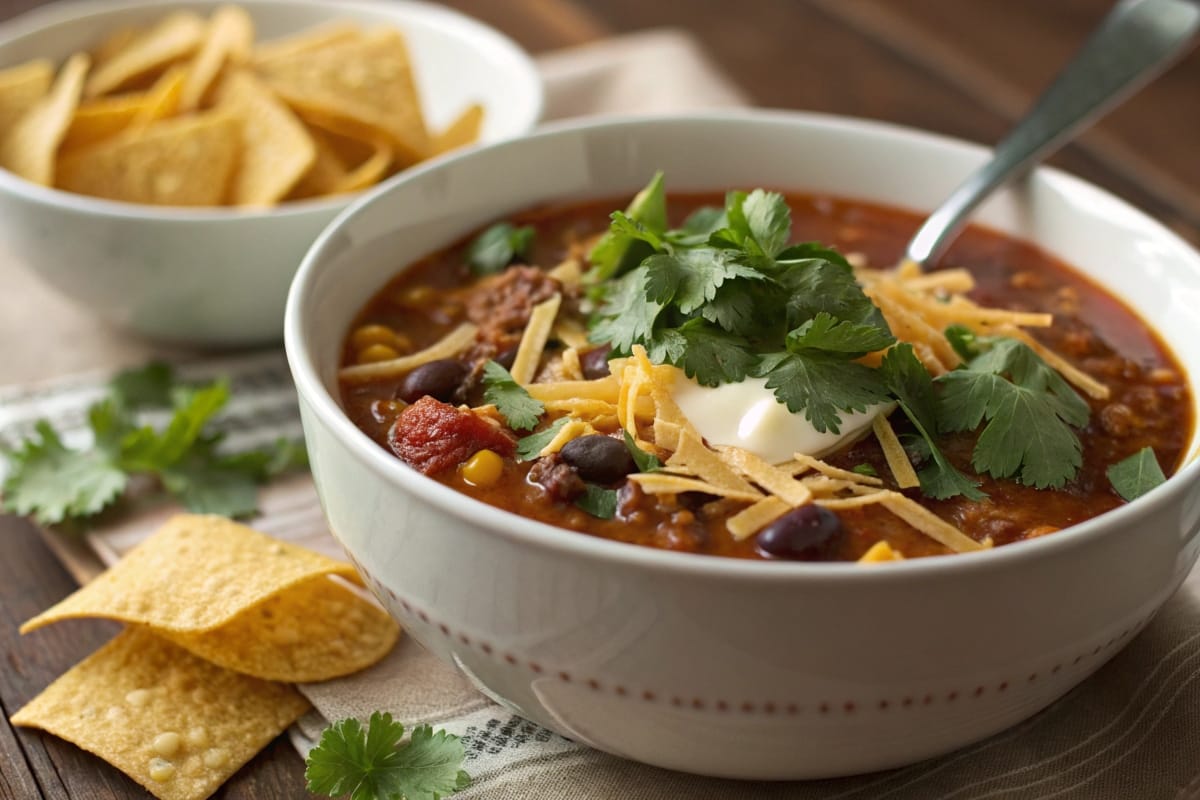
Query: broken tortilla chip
x: 461, y: 132
x: 176, y: 724
x: 28, y: 147
x: 300, y: 44
x: 185, y: 161
x: 240, y: 599
x: 276, y: 149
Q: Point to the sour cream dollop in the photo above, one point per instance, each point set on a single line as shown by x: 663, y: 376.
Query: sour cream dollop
x: 747, y: 415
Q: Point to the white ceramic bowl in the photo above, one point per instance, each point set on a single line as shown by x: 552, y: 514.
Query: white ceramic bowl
x: 718, y: 666
x: 220, y: 276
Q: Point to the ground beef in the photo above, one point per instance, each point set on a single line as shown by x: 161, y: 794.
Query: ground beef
x: 431, y: 436
x: 501, y: 305
x: 557, y: 477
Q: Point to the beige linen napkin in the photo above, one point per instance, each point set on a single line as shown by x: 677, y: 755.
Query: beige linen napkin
x: 1131, y: 731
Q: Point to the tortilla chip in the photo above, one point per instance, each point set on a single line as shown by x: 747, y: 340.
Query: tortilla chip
x: 176, y: 724
x: 303, y: 43
x: 364, y: 86
x: 326, y: 174
x: 230, y: 37
x: 21, y: 87
x: 276, y: 148
x: 162, y: 100
x: 30, y: 144
x: 171, y: 40
x: 187, y: 161
x: 462, y: 132
x: 97, y: 120
x: 315, y: 631
x: 114, y: 44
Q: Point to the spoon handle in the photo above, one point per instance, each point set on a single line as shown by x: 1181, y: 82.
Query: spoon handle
x: 1134, y: 44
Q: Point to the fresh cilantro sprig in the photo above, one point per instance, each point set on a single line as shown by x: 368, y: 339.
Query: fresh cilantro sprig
x: 510, y: 398
x: 646, y: 462
x: 1030, y: 411
x: 725, y: 297
x: 374, y: 764
x: 497, y: 247
x: 55, y: 483
x: 1132, y: 477
x: 598, y: 501
x: 529, y: 446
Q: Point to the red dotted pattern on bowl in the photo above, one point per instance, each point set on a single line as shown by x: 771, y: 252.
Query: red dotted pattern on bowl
x: 724, y: 705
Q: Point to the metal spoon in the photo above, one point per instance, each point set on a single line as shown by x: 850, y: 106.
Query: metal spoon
x: 1135, y: 43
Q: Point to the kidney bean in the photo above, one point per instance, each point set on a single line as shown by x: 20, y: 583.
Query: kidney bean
x: 594, y: 363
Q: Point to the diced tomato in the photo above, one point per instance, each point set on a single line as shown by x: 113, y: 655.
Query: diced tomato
x: 432, y: 436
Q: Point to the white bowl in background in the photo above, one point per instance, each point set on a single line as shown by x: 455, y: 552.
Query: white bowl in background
x: 220, y: 275
x: 721, y: 666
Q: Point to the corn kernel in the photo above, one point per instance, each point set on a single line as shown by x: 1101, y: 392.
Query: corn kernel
x: 483, y: 469
x: 366, y: 335
x: 377, y: 352
x: 417, y: 296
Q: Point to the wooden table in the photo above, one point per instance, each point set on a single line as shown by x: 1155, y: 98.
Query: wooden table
x: 965, y: 69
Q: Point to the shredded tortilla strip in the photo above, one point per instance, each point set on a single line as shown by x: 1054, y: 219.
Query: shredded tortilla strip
x: 1073, y: 374
x: 751, y: 519
x: 571, y: 368
x: 831, y: 471
x: 572, y: 430
x: 893, y: 451
x: 778, y: 482
x: 449, y: 345
x: 930, y: 524
x: 692, y: 453
x: 854, y: 501
x: 533, y: 340
x: 568, y: 273
x: 660, y: 483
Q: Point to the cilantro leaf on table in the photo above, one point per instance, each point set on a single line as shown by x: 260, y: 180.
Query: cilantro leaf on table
x: 646, y: 462
x: 497, y: 247
x: 1132, y: 477
x: 912, y: 387
x: 374, y: 764
x: 821, y: 385
x: 54, y: 483
x: 1030, y: 411
x: 529, y: 446
x: 598, y: 501
x: 510, y: 398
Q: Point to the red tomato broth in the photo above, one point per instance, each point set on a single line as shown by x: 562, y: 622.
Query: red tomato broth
x: 1113, y: 345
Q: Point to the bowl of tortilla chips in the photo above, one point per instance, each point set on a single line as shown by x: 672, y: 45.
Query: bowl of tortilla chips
x: 167, y: 164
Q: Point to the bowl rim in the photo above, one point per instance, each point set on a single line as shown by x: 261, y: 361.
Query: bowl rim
x: 37, y: 20
x: 540, y: 535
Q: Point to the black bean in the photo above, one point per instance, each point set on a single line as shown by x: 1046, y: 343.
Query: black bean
x: 594, y: 363
x: 808, y: 533
x: 505, y: 358
x: 599, y: 458
x: 440, y: 380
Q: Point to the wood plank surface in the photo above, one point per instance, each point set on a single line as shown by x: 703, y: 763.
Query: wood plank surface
x: 967, y: 69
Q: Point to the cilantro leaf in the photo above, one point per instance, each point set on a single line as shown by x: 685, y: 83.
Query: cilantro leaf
x: 699, y: 226
x: 1029, y: 409
x: 819, y: 284
x: 768, y: 220
x: 529, y: 446
x: 148, y: 450
x: 497, y: 247
x: 619, y: 250
x: 598, y: 501
x: 964, y: 341
x: 865, y: 469
x: 711, y: 356
x: 375, y: 765
x: 1132, y: 477
x: 208, y: 485
x: 691, y: 278
x: 510, y: 398
x: 912, y: 386
x: 821, y: 385
x: 627, y: 316
x: 646, y: 462
x: 52, y: 483
x: 824, y: 332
